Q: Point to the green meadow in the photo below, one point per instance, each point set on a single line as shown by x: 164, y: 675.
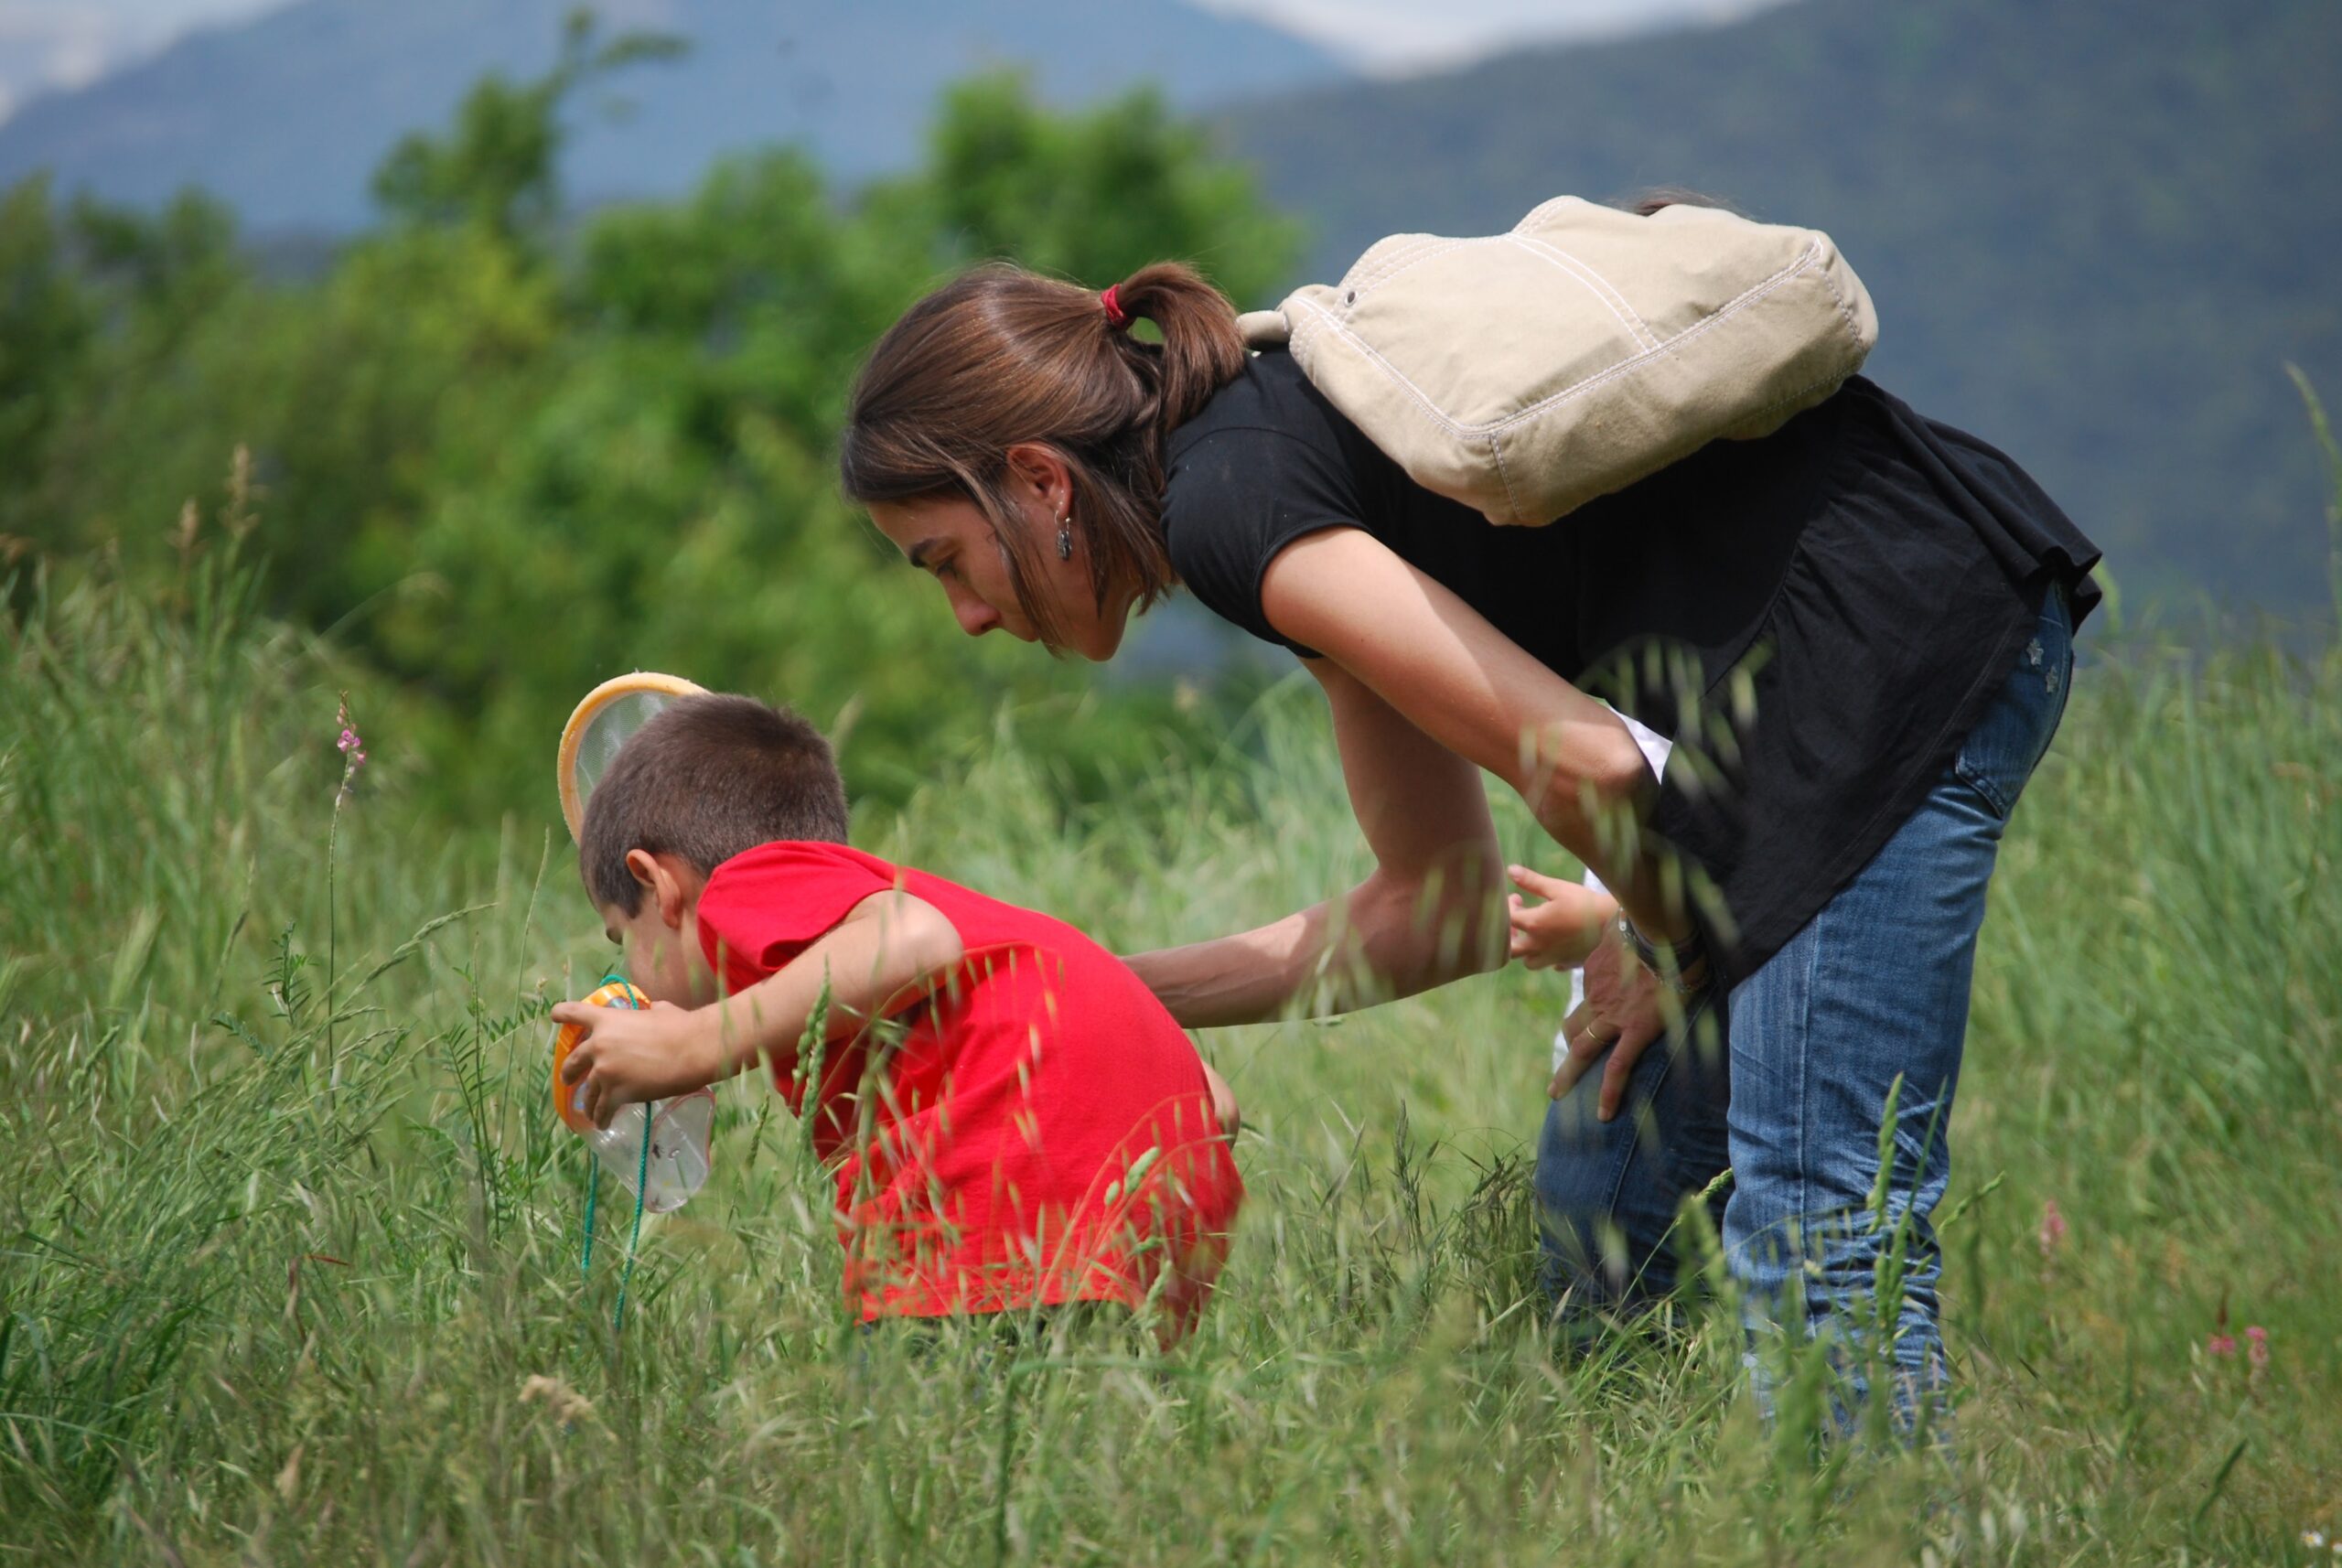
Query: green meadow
x: 290, y: 1240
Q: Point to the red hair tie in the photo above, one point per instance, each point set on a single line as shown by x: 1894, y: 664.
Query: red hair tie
x: 1116, y: 317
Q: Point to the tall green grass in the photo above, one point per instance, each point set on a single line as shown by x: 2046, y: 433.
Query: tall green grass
x: 292, y: 1250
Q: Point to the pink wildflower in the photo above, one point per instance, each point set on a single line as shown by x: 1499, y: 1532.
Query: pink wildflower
x: 2221, y: 1342
x: 2256, y: 1350
x: 2052, y: 1228
x: 352, y: 745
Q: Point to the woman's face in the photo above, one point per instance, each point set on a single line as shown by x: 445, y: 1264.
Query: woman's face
x: 949, y: 537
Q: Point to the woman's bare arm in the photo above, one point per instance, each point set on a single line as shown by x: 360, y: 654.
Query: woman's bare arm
x: 1475, y: 692
x: 1429, y: 912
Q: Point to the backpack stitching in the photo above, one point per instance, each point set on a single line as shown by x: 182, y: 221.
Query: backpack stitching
x: 1394, y: 253
x: 1626, y: 367
x: 1396, y: 256
x: 1845, y: 307
x: 1595, y: 277
x: 1504, y: 478
x: 1595, y: 284
x: 1395, y: 266
x: 1439, y: 416
x: 1323, y: 319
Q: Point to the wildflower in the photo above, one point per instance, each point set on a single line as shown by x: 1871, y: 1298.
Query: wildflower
x: 2312, y: 1539
x: 2221, y: 1345
x: 2256, y: 1351
x: 352, y: 745
x: 2052, y: 1228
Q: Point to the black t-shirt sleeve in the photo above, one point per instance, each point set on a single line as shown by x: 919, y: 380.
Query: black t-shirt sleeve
x: 1236, y: 496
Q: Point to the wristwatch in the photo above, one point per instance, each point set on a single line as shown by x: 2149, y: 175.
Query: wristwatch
x: 1667, y: 960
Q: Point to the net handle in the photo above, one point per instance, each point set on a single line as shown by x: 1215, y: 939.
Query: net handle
x: 572, y: 733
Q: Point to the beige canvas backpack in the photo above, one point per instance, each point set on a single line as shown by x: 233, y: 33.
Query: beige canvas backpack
x: 1528, y: 372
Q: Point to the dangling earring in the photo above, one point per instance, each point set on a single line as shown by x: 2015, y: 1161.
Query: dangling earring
x: 1065, y: 537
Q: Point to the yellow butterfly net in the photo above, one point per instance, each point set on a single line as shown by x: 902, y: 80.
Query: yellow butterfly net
x: 590, y: 740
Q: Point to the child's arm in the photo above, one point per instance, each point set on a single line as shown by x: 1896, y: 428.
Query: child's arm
x: 889, y: 950
x: 1563, y: 932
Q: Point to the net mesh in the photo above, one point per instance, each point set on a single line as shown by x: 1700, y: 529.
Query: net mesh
x: 610, y: 728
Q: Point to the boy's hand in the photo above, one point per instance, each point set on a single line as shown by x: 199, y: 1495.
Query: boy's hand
x: 1563, y: 932
x: 1223, y: 1103
x: 631, y: 1054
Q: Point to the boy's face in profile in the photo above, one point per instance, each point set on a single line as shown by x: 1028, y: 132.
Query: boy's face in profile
x: 661, y: 937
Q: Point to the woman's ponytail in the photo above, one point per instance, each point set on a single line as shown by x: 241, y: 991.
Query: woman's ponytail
x: 1200, y: 351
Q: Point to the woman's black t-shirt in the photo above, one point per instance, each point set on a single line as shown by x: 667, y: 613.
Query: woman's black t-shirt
x: 1818, y: 618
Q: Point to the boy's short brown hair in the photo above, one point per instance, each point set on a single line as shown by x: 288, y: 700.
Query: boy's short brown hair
x: 709, y: 778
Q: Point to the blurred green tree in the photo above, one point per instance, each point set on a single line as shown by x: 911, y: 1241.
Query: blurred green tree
x: 1089, y: 196
x: 87, y: 294
x: 498, y: 165
x: 47, y: 320
x: 505, y: 453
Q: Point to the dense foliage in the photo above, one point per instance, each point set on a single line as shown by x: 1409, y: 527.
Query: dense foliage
x: 507, y: 450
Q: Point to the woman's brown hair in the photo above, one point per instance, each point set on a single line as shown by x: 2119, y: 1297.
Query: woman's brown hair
x: 1001, y: 356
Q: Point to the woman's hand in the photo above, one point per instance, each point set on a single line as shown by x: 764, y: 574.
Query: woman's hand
x: 1563, y: 932
x: 1623, y: 1013
x: 632, y: 1055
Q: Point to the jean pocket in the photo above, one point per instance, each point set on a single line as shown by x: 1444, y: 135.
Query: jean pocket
x: 2001, y: 753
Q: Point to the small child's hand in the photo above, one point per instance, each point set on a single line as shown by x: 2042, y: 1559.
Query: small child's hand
x: 1563, y: 932
x: 1223, y: 1103
x: 632, y: 1055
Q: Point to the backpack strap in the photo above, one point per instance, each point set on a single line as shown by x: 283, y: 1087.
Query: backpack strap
x: 1264, y: 328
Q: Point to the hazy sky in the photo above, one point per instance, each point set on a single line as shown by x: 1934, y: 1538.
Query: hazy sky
x: 63, y: 43
x: 1415, y: 34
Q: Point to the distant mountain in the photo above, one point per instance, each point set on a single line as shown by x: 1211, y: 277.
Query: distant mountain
x: 2094, y: 232
x: 286, y: 116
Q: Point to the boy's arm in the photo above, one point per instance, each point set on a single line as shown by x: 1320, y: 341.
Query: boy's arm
x: 889, y: 950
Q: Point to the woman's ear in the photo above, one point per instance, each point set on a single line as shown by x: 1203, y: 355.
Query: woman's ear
x: 1041, y: 470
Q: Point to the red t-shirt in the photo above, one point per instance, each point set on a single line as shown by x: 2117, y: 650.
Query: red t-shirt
x: 1041, y: 1133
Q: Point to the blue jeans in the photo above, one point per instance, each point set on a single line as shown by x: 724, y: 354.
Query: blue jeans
x: 1788, y: 1079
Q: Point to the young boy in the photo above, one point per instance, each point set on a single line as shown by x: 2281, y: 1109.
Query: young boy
x: 1030, y: 1129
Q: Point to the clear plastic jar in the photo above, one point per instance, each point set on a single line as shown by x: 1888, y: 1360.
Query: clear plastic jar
x: 678, y: 1132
